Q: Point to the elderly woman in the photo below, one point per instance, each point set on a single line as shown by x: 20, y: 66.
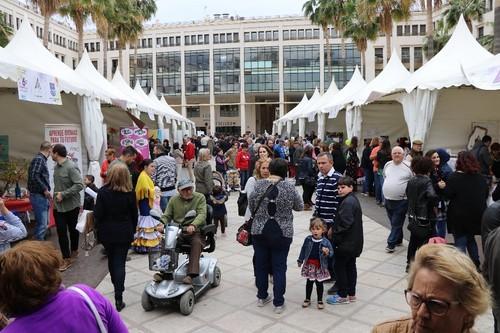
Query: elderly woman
x: 40, y: 303
x: 445, y: 294
x: 272, y: 231
x: 203, y: 173
x: 467, y: 191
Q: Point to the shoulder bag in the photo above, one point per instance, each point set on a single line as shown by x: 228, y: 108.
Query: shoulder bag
x: 91, y: 305
x: 243, y: 235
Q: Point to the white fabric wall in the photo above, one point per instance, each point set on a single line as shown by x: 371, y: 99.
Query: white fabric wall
x: 336, y: 124
x: 456, y: 111
x: 383, y: 119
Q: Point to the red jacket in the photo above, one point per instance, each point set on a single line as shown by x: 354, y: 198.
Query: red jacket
x: 189, y: 152
x: 242, y: 160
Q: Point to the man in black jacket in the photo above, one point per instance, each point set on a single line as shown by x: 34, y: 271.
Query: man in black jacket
x: 347, y: 234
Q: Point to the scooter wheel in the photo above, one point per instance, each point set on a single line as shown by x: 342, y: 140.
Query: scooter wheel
x: 186, y: 303
x: 146, y: 302
x: 217, y: 277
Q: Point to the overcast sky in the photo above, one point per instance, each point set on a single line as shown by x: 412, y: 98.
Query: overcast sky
x: 189, y: 10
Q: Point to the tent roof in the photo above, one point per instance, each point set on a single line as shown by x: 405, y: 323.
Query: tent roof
x: 106, y: 91
x: 169, y: 113
x: 297, y: 109
x: 344, y: 96
x: 146, y: 101
x: 485, y: 75
x: 119, y: 83
x: 164, y: 101
x: 26, y: 50
x: 387, y: 81
x: 445, y: 68
x: 316, y: 106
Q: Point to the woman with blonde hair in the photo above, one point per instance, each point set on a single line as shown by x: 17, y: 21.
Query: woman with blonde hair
x: 454, y: 293
x: 203, y: 173
x: 147, y: 236
x: 261, y: 171
x: 32, y: 292
x: 115, y: 214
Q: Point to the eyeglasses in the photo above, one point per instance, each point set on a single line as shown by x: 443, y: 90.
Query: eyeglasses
x: 435, y: 306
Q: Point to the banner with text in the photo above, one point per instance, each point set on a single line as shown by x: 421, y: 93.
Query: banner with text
x: 135, y: 137
x: 38, y: 87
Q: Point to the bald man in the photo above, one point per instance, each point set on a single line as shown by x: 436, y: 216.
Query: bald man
x: 396, y: 173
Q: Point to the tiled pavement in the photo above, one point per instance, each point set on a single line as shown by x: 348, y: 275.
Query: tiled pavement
x: 231, y: 307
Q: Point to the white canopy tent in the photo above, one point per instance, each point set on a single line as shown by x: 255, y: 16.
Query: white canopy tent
x: 287, y: 118
x: 485, y: 75
x: 444, y: 70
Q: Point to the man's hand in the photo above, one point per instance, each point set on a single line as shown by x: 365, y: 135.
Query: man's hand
x: 59, y: 197
x: 330, y: 233
x: 47, y: 194
x: 190, y: 229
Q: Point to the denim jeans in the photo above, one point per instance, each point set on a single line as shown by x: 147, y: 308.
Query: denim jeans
x: 40, y: 205
x: 467, y: 244
x: 396, y: 211
x: 243, y: 178
x: 66, y: 222
x: 369, y: 180
x: 379, y: 182
x: 117, y: 256
x: 276, y: 255
x: 164, y: 203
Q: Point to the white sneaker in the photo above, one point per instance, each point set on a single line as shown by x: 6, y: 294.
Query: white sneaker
x: 263, y: 301
x: 279, y: 309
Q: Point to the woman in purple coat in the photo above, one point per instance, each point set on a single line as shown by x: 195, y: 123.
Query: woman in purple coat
x: 32, y: 295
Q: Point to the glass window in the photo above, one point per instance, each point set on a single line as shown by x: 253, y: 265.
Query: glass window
x: 309, y: 34
x: 143, y: 72
x: 98, y: 46
x: 301, y: 34
x: 197, y: 72
x: 200, y: 39
x: 193, y: 39
x: 247, y: 36
x: 480, y: 32
x: 301, y: 67
x: 171, y: 41
x: 178, y: 41
x: 276, y: 35
x: 261, y: 69
x: 414, y: 30
x: 422, y: 30
x: 254, y: 36
x: 229, y: 38
x: 269, y: 35
x: 206, y: 39
x: 379, y: 55
x: 226, y: 71
x: 316, y: 33
x: 158, y: 41
x: 286, y: 34
x: 187, y: 40
x: 95, y: 64
x: 293, y: 34
x: 399, y: 30
x: 216, y: 38
x: 222, y: 38
x: 417, y: 57
x: 193, y: 112
x: 150, y: 43
x: 229, y: 111
x: 342, y: 73
x: 407, y: 30
x: 261, y: 36
x: 236, y: 37
x: 405, y: 55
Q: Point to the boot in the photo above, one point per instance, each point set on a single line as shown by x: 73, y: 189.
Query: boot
x: 119, y: 303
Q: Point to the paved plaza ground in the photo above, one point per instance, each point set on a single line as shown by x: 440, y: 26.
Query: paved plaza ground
x: 231, y: 307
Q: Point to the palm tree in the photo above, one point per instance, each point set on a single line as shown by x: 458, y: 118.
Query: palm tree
x: 470, y: 9
x: 5, y: 30
x: 430, y: 6
x: 102, y: 15
x: 360, y: 27
x: 47, y: 9
x: 146, y: 10
x: 386, y: 12
x: 77, y: 10
x: 318, y: 15
x: 440, y: 36
x: 496, y: 28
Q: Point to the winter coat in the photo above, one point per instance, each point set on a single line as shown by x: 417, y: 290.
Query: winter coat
x: 421, y: 198
x: 348, y: 228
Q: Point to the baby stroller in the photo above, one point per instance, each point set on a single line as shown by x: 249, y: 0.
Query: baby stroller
x: 233, y: 179
x: 218, y: 179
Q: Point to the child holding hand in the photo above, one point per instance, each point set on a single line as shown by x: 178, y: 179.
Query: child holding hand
x: 314, y: 260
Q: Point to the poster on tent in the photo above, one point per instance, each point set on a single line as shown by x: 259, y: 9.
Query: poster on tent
x: 38, y: 87
x: 135, y: 137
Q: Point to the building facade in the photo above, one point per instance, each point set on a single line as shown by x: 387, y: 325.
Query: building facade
x: 234, y: 74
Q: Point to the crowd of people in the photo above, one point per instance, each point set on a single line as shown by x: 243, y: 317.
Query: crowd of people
x: 437, y: 198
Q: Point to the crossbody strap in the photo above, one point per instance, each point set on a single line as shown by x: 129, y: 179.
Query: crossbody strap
x: 92, y: 307
x: 261, y: 199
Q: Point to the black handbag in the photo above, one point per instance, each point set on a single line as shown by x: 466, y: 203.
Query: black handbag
x: 242, y: 203
x: 419, y: 227
x: 244, y: 235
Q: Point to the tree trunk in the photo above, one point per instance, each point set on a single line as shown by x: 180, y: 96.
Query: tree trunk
x: 496, y: 47
x: 363, y: 62
x: 328, y: 51
x: 80, y: 42
x: 468, y: 21
x: 388, y: 45
x: 342, y: 55
x: 120, y: 57
x: 46, y: 23
x: 429, y: 30
x: 105, y: 56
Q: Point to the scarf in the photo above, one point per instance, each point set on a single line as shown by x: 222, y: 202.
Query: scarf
x: 145, y: 188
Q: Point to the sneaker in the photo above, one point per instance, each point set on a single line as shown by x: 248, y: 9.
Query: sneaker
x: 333, y: 290
x: 336, y: 299
x: 390, y: 249
x: 263, y: 301
x: 65, y: 265
x: 352, y: 299
x: 279, y: 309
x: 306, y: 303
x: 364, y: 194
x: 321, y: 305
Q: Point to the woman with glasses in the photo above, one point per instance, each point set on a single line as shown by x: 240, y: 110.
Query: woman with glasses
x: 445, y: 294
x: 273, y: 201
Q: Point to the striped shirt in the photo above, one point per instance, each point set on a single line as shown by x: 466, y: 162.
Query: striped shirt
x: 326, y: 196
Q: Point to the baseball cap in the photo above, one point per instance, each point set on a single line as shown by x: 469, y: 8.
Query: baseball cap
x: 184, y: 183
x: 417, y: 142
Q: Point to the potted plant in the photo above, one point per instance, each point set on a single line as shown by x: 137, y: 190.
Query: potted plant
x: 12, y: 172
